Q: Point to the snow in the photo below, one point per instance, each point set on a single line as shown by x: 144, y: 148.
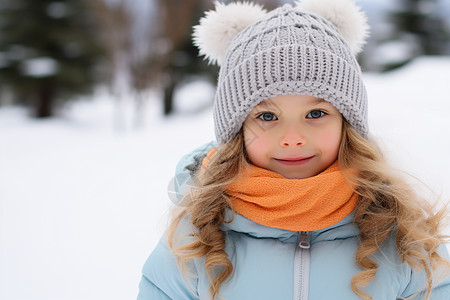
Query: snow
x: 394, y: 52
x: 40, y: 67
x: 194, y: 97
x: 82, y: 204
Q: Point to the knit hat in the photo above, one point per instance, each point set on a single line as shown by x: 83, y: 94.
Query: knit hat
x: 305, y: 49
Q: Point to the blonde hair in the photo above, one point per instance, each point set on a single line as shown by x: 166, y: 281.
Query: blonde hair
x: 206, y: 207
x: 386, y: 204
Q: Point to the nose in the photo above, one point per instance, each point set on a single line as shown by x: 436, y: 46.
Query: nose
x: 292, y: 137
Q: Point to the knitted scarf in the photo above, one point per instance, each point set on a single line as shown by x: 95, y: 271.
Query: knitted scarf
x: 313, y: 203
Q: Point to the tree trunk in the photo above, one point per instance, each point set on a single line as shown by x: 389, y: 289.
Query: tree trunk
x: 44, y: 102
x: 168, y: 95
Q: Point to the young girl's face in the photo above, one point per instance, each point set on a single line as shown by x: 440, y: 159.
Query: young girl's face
x: 296, y: 136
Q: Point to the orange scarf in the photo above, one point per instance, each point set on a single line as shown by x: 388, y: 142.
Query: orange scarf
x: 313, y: 203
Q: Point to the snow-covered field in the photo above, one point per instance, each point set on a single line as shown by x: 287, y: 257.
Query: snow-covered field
x: 82, y: 205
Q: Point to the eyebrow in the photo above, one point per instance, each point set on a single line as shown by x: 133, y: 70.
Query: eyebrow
x: 265, y: 103
x: 317, y: 101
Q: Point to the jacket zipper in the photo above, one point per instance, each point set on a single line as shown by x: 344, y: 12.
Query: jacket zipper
x: 301, y: 266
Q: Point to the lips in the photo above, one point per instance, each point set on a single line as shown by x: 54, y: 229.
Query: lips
x: 294, y: 160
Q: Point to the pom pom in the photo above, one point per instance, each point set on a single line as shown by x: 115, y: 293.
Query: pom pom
x: 345, y: 15
x: 217, y: 29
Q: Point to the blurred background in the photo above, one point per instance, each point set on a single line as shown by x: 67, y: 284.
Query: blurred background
x: 99, y: 99
x: 52, y: 52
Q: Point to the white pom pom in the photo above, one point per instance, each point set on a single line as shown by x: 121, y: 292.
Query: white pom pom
x: 218, y: 28
x: 345, y: 15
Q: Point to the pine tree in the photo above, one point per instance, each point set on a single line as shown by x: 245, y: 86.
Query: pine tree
x: 422, y: 21
x: 48, y: 52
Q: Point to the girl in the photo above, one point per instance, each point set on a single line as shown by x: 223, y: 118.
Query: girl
x: 295, y: 200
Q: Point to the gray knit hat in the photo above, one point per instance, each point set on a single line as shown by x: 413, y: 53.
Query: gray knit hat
x: 307, y: 49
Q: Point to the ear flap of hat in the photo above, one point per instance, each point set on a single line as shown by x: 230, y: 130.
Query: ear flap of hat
x: 217, y: 29
x: 345, y: 15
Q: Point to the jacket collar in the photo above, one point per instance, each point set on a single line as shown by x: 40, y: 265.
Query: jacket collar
x: 342, y: 230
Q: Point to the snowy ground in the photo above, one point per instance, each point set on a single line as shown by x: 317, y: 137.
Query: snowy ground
x: 82, y: 205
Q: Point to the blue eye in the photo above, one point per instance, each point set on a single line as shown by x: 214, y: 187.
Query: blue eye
x: 315, y: 114
x: 267, y: 116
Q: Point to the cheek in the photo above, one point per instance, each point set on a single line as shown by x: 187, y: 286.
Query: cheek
x: 330, y: 141
x: 256, y: 143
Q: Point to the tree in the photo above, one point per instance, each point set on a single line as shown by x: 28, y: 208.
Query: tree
x: 421, y: 21
x: 49, y: 52
x: 182, y: 58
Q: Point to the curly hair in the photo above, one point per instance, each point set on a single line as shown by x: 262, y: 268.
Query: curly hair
x: 205, y: 207
x: 387, y: 204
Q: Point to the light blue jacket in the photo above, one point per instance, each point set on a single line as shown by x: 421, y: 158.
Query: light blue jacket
x: 272, y: 264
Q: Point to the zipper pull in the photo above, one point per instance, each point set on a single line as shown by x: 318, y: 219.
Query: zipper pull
x: 304, y: 240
